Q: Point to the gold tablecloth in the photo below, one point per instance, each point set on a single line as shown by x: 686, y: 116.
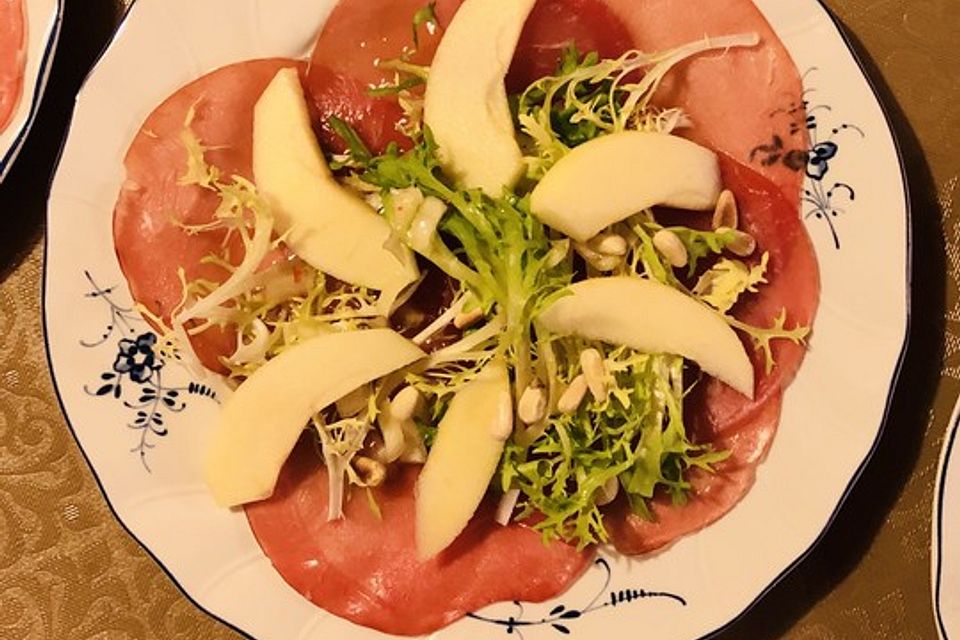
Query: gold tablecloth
x: 69, y: 571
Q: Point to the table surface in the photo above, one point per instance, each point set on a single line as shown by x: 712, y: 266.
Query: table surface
x: 69, y: 571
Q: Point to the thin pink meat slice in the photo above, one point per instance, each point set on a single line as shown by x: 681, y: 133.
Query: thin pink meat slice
x: 553, y: 26
x: 747, y: 103
x: 793, y: 286
x: 361, y: 32
x: 364, y: 568
x: 716, y: 413
x: 289, y: 525
x: 713, y: 494
x: 13, y: 30
x: 150, y: 241
x: 357, y: 35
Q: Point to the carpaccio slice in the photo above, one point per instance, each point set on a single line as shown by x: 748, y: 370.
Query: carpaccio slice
x: 746, y: 102
x: 356, y: 37
x: 716, y: 413
x: 556, y: 24
x: 361, y: 33
x: 763, y: 126
x: 382, y: 585
x: 364, y: 568
x: 150, y: 242
x: 151, y: 245
x: 12, y: 57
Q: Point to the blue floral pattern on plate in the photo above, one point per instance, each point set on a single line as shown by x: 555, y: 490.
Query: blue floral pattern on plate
x: 560, y: 616
x: 820, y: 199
x: 139, y: 361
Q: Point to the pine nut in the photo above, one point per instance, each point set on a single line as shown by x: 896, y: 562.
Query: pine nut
x: 606, y: 264
x: 598, y: 261
x: 610, y: 244
x: 607, y: 493
x: 726, y: 214
x: 372, y: 473
x: 467, y: 319
x: 405, y: 404
x: 570, y: 400
x: 671, y: 247
x: 743, y: 244
x: 533, y: 405
x: 595, y: 373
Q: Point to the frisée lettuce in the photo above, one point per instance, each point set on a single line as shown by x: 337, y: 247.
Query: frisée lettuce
x: 611, y: 428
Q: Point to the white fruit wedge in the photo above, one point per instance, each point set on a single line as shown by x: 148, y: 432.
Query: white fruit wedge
x: 464, y: 457
x: 466, y: 104
x: 326, y: 225
x: 261, y: 422
x: 615, y: 176
x: 653, y: 318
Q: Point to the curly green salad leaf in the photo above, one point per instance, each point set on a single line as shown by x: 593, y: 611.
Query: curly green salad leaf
x: 562, y: 470
x: 635, y: 438
x: 588, y: 97
x: 494, y: 247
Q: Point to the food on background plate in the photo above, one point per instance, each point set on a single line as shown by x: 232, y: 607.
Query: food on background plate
x: 13, y: 40
x: 543, y: 270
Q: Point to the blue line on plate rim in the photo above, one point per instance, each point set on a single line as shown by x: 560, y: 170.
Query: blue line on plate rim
x: 895, y: 379
x: 46, y: 345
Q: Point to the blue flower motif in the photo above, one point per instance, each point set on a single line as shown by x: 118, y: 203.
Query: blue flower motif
x: 137, y: 358
x: 819, y: 158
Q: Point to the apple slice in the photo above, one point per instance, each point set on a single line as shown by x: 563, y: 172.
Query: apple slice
x: 463, y: 459
x: 615, y: 176
x: 653, y: 318
x: 325, y: 224
x: 466, y: 102
x: 262, y: 420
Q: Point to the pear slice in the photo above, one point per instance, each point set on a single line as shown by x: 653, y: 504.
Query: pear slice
x: 653, y: 318
x: 464, y: 457
x: 262, y: 420
x: 466, y: 102
x: 615, y: 176
x: 325, y: 224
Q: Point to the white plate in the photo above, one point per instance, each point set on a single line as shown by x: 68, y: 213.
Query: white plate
x: 43, y: 30
x: 832, y: 415
x: 945, y: 559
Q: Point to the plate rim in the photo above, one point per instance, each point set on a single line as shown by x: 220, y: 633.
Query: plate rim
x: 904, y: 347
x: 9, y: 155
x: 893, y: 384
x: 936, y: 565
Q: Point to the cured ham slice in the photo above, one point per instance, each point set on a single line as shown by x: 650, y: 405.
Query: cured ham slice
x: 553, y: 26
x: 793, y: 285
x: 12, y: 58
x: 739, y: 100
x: 152, y: 208
x: 357, y: 36
x: 716, y: 413
x: 364, y: 568
x: 712, y: 494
